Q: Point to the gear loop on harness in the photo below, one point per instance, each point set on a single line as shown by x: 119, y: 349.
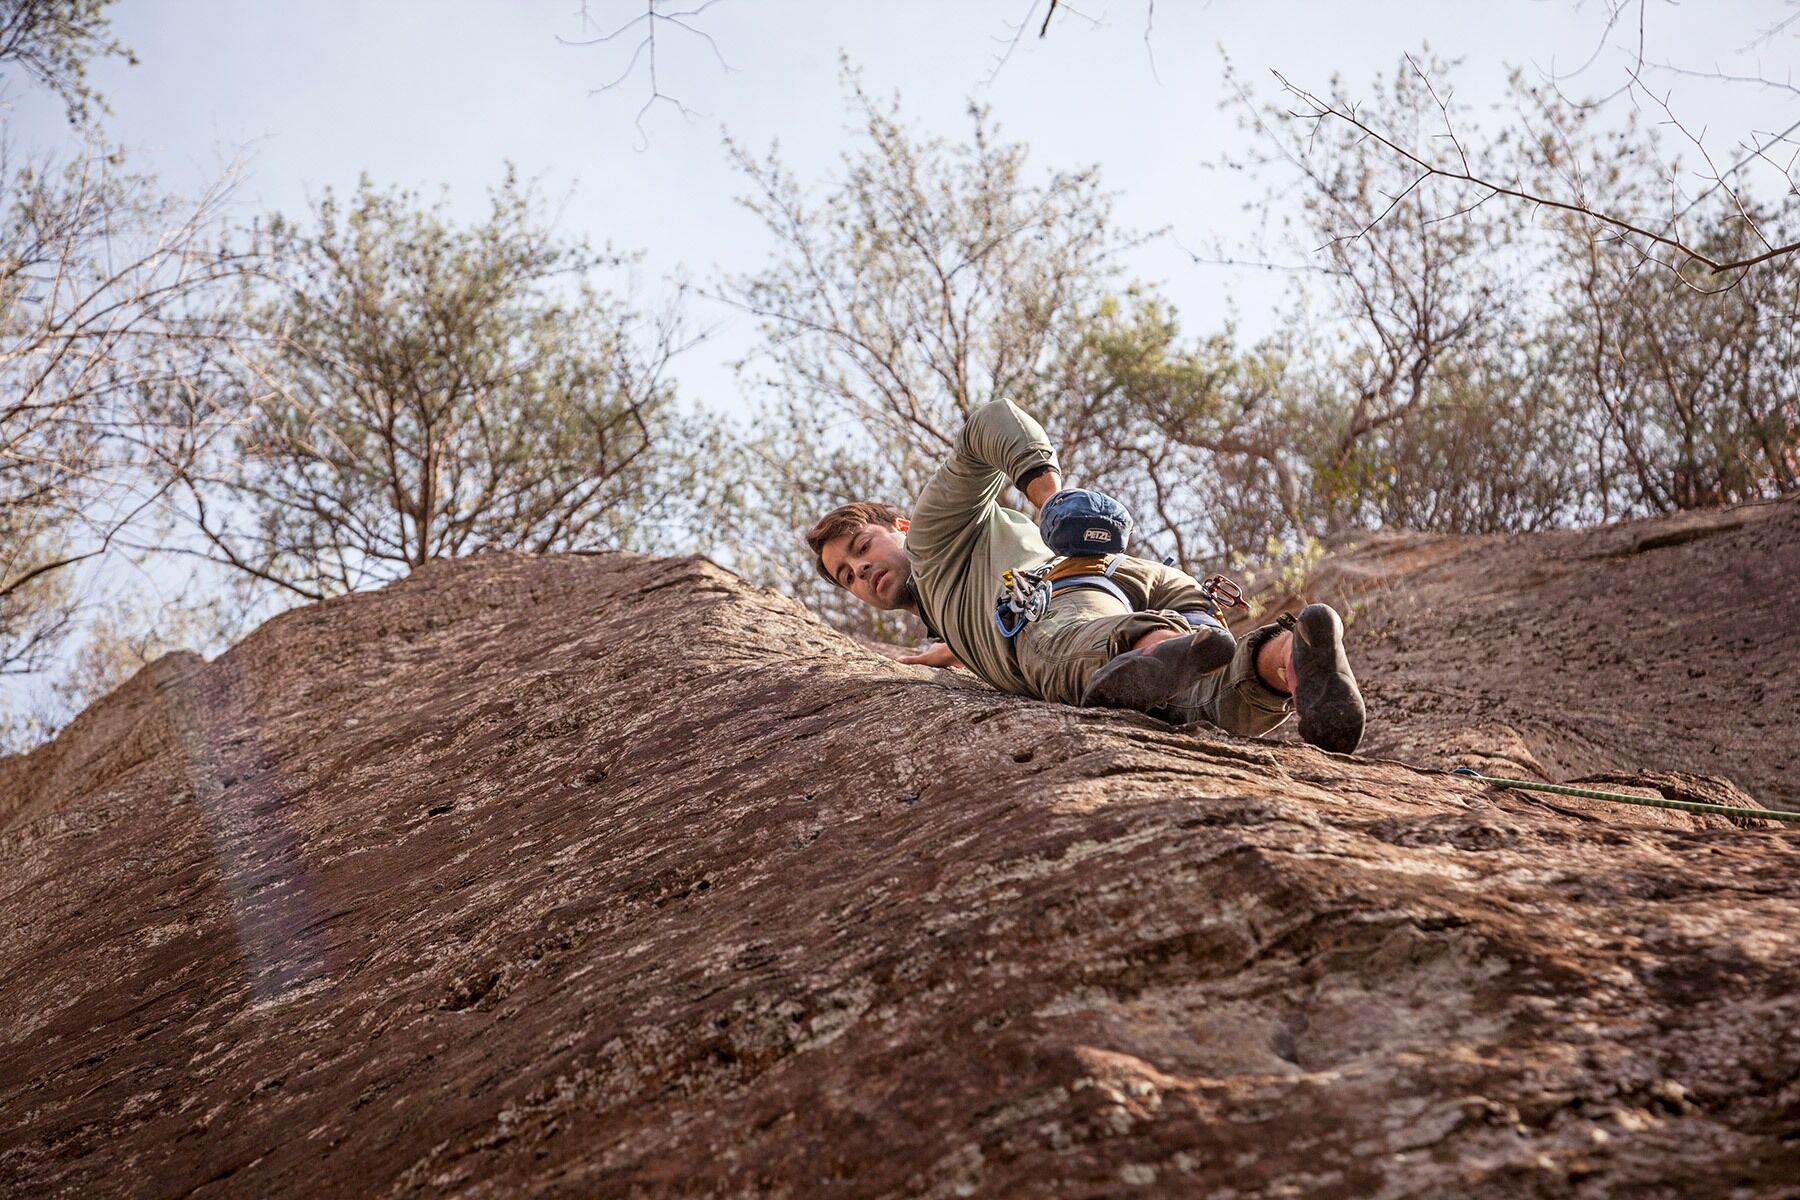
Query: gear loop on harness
x: 1024, y: 597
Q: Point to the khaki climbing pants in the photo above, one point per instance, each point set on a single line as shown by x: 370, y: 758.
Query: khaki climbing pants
x: 1085, y: 628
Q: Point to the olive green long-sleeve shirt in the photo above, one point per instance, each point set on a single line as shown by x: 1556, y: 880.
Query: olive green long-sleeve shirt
x: 962, y: 539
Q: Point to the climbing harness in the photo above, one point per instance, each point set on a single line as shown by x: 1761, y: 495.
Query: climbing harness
x: 1724, y: 810
x: 1025, y: 595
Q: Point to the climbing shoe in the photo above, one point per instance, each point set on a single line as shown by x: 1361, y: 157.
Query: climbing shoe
x: 1325, y: 692
x: 1157, y: 680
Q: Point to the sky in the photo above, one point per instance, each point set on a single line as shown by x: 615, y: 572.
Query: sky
x: 441, y: 94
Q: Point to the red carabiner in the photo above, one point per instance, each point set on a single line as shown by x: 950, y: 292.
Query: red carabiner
x: 1221, y: 590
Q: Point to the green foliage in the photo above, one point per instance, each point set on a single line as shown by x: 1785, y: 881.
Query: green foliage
x: 1193, y: 437
x: 1274, y: 578
x: 412, y: 389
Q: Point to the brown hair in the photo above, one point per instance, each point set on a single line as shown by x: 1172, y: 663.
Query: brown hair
x: 846, y: 518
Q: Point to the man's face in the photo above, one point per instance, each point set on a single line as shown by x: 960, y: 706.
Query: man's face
x: 871, y: 564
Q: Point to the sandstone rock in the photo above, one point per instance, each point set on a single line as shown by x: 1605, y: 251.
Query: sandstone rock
x: 612, y: 876
x: 1651, y: 645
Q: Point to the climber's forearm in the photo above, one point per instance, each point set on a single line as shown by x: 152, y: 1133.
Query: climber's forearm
x: 1041, y: 485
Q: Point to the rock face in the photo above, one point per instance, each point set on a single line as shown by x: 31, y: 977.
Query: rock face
x: 1668, y: 645
x: 612, y: 876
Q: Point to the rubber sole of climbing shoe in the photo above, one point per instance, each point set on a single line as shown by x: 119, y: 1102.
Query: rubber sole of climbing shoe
x: 1326, y: 697
x: 1149, y: 681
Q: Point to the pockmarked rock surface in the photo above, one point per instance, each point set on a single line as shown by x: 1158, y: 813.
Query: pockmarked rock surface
x: 613, y: 876
x: 1666, y: 645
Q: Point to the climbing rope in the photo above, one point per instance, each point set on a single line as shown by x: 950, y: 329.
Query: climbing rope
x: 1724, y: 810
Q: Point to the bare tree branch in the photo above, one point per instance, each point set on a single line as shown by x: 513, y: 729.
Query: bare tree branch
x: 101, y: 280
x: 1319, y: 110
x: 647, y: 24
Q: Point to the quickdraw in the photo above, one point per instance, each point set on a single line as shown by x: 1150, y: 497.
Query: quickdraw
x: 1024, y: 597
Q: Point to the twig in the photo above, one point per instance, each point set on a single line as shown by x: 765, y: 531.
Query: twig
x: 1296, y: 268
x: 645, y: 49
x: 1149, y: 50
x: 1322, y: 110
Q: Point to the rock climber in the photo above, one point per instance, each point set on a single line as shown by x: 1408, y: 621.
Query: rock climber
x: 1113, y: 630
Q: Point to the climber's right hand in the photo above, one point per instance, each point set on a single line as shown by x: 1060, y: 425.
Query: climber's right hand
x: 935, y: 655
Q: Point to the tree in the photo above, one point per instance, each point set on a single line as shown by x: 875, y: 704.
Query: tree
x: 1695, y: 390
x: 1433, y: 397
x: 101, y: 279
x: 1654, y: 237
x: 52, y: 42
x: 1194, y: 438
x: 1660, y: 231
x: 929, y: 278
x: 1492, y: 372
x: 1690, y: 375
x: 412, y: 389
x: 100, y: 274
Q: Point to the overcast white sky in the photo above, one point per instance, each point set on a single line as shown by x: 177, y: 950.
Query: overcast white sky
x: 441, y: 93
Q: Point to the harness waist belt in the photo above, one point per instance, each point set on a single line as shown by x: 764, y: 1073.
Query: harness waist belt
x: 1025, y: 595
x: 1058, y: 586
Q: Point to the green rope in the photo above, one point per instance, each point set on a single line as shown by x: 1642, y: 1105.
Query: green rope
x: 1724, y: 810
